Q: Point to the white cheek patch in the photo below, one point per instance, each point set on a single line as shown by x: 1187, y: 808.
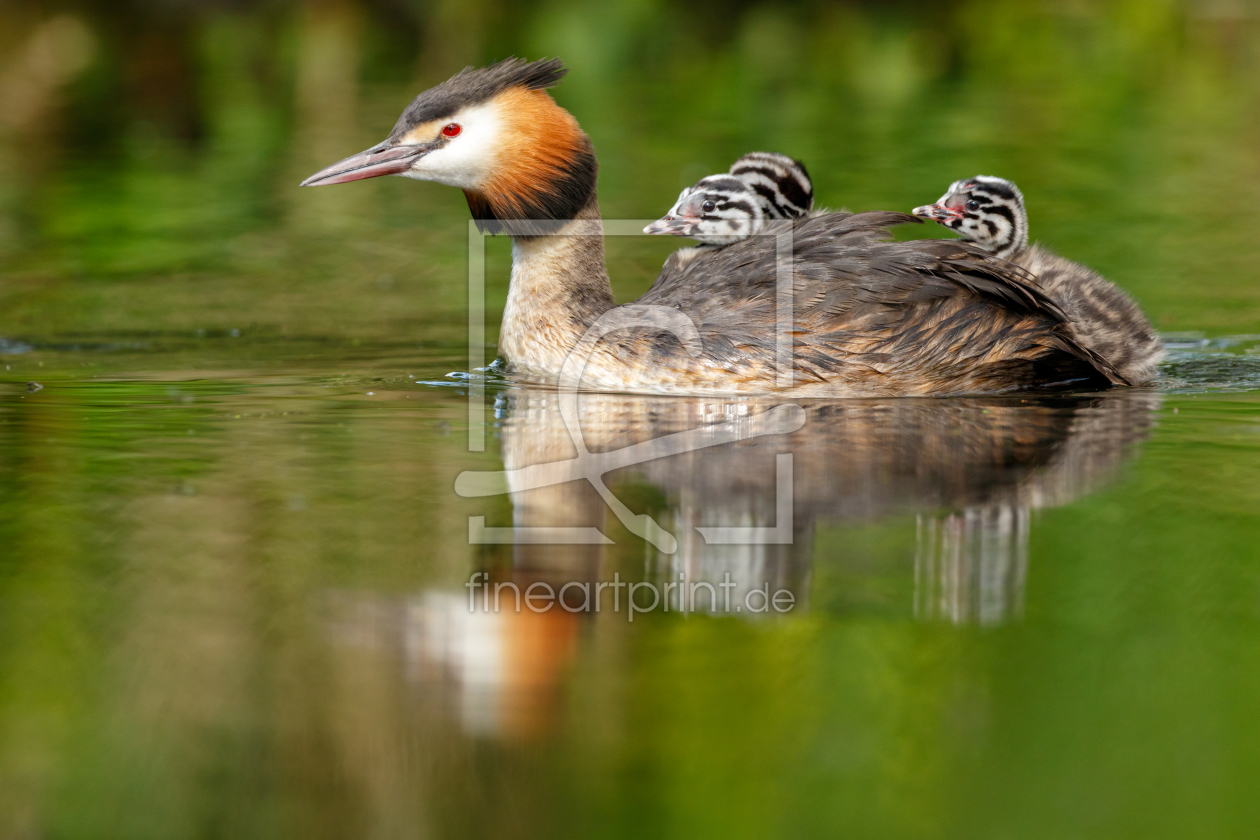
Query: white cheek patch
x: 466, y: 160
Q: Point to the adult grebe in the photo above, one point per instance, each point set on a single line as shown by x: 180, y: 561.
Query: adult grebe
x: 990, y: 212
x: 868, y: 316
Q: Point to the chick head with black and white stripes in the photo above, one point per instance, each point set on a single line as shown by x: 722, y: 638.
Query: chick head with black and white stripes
x: 782, y: 185
x: 717, y: 210
x: 985, y: 210
x: 760, y: 187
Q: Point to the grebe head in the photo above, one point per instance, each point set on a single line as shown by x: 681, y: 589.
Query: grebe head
x: 717, y: 210
x: 985, y: 210
x: 495, y: 133
x: 721, y: 209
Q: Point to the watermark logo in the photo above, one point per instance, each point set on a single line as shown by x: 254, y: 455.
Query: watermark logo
x: 681, y: 595
x: 592, y: 467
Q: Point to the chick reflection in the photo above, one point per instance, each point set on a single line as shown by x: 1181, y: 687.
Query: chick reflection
x: 972, y: 565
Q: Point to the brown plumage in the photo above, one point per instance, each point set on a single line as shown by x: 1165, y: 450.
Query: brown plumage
x: 1104, y: 318
x: 869, y: 316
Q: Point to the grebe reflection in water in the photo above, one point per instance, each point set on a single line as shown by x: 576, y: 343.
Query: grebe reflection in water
x: 963, y: 478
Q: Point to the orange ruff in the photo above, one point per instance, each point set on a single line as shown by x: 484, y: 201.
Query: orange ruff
x: 537, y: 141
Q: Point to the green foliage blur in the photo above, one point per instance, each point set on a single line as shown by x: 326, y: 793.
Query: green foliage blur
x: 150, y: 149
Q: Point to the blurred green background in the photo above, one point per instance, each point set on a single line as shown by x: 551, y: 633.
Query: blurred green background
x: 149, y: 149
x: 204, y: 477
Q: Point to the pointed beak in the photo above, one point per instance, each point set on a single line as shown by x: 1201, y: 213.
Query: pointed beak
x: 671, y: 226
x: 383, y: 159
x: 936, y: 213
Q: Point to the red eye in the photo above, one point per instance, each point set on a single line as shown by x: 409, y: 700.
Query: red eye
x: 452, y: 130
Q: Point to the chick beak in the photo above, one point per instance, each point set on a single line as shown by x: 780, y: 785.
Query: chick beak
x: 671, y: 226
x: 935, y: 213
x: 382, y: 159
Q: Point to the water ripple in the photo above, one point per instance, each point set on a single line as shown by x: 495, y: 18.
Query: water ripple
x: 1197, y: 364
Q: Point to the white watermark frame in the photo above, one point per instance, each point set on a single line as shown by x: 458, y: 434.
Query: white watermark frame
x: 593, y: 466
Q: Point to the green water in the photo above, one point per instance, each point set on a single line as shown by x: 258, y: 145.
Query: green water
x: 233, y: 561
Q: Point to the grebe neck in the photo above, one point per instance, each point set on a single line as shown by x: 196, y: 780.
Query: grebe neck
x: 559, y: 287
